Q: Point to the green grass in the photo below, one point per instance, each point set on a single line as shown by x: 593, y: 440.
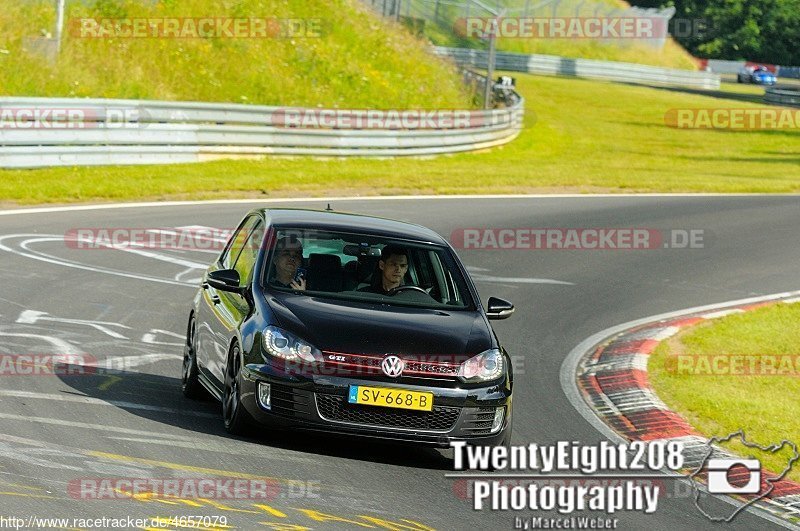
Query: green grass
x: 765, y: 406
x: 359, y: 61
x: 672, y: 55
x: 579, y: 136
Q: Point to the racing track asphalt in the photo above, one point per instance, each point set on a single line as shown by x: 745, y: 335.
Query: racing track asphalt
x: 137, y: 424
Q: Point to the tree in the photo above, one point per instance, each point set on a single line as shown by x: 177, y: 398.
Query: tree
x: 765, y: 31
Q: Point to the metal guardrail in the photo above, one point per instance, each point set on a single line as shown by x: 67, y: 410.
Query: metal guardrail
x: 789, y: 71
x: 157, y: 132
x: 782, y: 96
x: 586, y: 68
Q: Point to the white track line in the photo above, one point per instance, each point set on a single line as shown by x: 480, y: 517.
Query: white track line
x: 127, y: 248
x: 61, y: 346
x: 44, y: 257
x: 88, y: 400
x: 325, y: 200
x: 169, y: 438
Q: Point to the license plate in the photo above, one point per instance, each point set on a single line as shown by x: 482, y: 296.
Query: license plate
x: 388, y: 397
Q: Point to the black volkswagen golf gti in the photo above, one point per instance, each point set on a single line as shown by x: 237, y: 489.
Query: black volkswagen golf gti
x: 348, y: 324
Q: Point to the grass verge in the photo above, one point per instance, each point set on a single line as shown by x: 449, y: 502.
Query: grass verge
x: 330, y: 53
x: 699, y: 374
x: 579, y: 136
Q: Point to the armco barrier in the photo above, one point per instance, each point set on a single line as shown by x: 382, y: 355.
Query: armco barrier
x: 789, y: 71
x: 782, y: 96
x: 587, y: 68
x: 158, y: 132
x: 719, y: 66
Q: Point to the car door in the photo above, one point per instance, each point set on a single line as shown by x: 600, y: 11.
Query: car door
x: 230, y: 309
x: 210, y: 346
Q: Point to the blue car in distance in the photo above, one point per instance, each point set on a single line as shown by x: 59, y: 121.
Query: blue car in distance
x: 756, y: 74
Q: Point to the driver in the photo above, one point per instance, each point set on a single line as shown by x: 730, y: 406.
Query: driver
x: 392, y: 266
x: 288, y: 259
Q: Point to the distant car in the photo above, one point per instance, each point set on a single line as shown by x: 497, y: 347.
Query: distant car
x: 417, y: 363
x: 756, y: 74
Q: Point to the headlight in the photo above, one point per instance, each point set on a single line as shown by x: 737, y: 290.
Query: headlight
x: 484, y: 367
x: 282, y: 344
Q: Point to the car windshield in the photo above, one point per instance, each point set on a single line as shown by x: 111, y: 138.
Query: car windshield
x: 363, y: 267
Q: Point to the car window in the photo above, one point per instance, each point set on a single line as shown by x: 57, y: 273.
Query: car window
x: 237, y: 242
x: 349, y: 266
x: 329, y: 247
x: 245, y: 263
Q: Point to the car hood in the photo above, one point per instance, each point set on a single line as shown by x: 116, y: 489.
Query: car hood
x: 364, y: 328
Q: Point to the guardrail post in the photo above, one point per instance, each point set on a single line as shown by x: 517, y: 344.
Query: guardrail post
x: 59, y: 24
x: 487, y: 95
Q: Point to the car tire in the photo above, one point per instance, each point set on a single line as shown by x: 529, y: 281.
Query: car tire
x: 190, y: 382
x: 237, y: 419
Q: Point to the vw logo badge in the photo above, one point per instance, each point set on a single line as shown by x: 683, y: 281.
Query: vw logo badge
x: 392, y: 366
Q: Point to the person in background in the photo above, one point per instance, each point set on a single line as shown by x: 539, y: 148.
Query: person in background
x: 288, y: 259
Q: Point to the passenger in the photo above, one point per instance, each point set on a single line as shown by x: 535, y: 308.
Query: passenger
x: 288, y: 259
x: 392, y: 267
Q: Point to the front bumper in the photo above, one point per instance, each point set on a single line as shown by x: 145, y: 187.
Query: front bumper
x: 319, y: 403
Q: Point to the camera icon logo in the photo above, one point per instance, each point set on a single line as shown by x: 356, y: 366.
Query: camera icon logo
x: 736, y: 475
x: 723, y: 473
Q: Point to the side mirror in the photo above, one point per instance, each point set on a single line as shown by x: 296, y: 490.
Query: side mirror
x: 497, y: 309
x: 225, y: 280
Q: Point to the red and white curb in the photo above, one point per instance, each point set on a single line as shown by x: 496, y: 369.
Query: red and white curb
x: 605, y: 378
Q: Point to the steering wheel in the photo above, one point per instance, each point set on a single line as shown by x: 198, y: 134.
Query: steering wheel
x: 398, y: 289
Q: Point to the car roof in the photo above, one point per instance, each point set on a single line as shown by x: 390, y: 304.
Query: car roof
x: 346, y: 222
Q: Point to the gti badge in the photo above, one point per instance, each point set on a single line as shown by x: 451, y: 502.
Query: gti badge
x: 392, y: 366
